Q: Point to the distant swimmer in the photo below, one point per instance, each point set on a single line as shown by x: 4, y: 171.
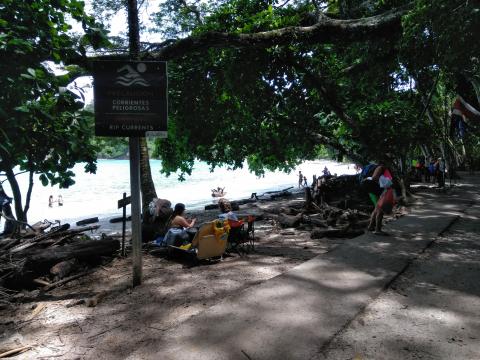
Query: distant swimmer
x: 50, y: 201
x: 60, y: 200
x: 218, y: 192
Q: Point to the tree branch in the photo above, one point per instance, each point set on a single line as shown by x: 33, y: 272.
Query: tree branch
x: 29, y: 192
x: 326, y: 30
x: 193, y: 9
x: 337, y: 146
x: 328, y: 94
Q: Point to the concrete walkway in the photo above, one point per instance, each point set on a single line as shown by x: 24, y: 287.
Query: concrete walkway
x: 296, y: 315
x: 431, y: 311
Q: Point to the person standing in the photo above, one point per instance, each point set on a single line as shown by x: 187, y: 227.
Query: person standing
x: 382, y: 178
x: 326, y: 172
x: 441, y: 172
x: 300, y: 179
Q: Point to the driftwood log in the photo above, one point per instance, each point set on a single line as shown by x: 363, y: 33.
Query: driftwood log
x: 88, y: 250
x: 62, y: 232
x: 38, y: 262
x: 87, y: 221
x: 333, y: 207
x: 235, y: 204
x: 289, y: 221
x: 63, y: 268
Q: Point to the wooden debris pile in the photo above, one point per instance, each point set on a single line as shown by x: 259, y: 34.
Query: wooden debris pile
x: 342, y: 191
x: 334, y: 207
x: 322, y: 220
x: 317, y: 214
x: 48, y: 255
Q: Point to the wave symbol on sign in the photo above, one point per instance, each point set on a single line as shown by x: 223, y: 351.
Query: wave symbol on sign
x: 130, y: 77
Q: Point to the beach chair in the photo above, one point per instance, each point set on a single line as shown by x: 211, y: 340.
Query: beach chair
x: 241, y: 238
x: 251, y: 231
x: 210, y: 241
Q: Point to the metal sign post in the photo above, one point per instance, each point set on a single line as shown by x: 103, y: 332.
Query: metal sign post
x: 130, y: 99
x: 136, y: 209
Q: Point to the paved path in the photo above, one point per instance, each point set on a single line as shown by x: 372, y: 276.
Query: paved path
x: 297, y: 315
x: 431, y: 311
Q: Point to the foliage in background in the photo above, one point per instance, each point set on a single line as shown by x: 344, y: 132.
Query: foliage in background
x: 274, y: 106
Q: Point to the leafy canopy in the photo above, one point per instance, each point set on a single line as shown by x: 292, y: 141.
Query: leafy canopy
x: 44, y: 129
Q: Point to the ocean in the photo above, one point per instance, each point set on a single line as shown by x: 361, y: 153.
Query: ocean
x: 97, y: 194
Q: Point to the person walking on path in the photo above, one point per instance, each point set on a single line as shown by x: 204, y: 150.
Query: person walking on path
x: 382, y: 178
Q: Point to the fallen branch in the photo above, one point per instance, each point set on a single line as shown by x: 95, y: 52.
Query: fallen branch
x: 15, y: 351
x: 66, y: 280
x: 42, y: 282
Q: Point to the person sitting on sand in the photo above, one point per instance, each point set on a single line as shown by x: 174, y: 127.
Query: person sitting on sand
x: 180, y: 230
x: 177, y: 219
x: 226, y: 209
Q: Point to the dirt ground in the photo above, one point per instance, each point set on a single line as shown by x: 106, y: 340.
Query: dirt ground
x: 172, y: 291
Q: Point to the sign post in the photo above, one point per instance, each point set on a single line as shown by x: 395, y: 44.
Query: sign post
x: 122, y: 203
x: 130, y: 99
x: 136, y: 209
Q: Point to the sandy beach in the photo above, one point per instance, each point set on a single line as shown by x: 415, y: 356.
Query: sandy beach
x: 172, y: 288
x: 101, y: 316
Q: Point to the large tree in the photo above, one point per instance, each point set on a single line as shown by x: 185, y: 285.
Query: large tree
x: 274, y: 79
x: 43, y: 127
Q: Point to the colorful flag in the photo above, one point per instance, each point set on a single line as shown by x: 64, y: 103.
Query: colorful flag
x: 463, y: 108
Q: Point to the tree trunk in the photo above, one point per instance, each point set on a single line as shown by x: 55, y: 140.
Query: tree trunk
x: 404, y: 189
x: 17, y: 195
x: 29, y: 193
x: 146, y: 180
x: 308, y: 198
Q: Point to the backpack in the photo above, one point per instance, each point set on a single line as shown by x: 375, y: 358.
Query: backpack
x: 367, y: 171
